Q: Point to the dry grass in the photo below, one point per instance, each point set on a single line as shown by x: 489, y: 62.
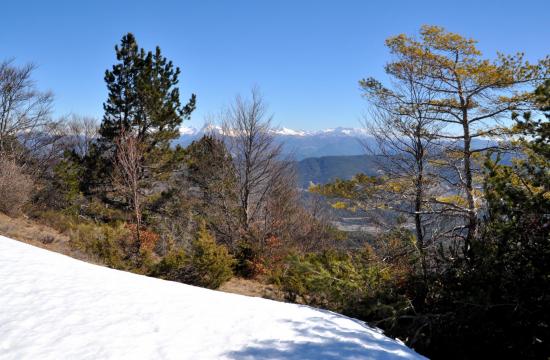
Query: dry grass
x: 39, y: 235
x: 252, y: 288
x: 15, y: 187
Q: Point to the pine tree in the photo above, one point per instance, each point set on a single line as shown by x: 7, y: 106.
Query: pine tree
x: 143, y: 102
x: 470, y: 97
x: 211, y: 170
x: 143, y: 97
x: 501, y: 295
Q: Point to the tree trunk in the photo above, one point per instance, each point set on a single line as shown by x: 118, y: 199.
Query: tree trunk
x: 471, y: 225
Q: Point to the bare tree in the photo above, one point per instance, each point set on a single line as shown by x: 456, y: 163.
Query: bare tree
x: 292, y: 222
x: 406, y: 135
x: 23, y: 109
x: 128, y: 174
x: 80, y: 132
x: 27, y: 132
x: 247, y: 131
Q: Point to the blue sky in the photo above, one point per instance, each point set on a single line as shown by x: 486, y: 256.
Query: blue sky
x: 306, y: 56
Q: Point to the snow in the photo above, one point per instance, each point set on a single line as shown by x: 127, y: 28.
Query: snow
x: 289, y: 132
x: 187, y: 130
x: 56, y: 307
x: 282, y: 131
x: 211, y: 128
x: 343, y: 131
x: 217, y: 130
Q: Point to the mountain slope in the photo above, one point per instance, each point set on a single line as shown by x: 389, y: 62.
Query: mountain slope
x: 57, y: 307
x: 325, y: 169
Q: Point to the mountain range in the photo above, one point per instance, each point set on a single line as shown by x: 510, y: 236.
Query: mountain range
x: 299, y: 144
x: 321, y: 156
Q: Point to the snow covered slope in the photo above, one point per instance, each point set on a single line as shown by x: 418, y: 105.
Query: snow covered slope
x: 56, y: 307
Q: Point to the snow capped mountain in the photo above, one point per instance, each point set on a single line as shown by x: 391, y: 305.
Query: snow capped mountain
x: 342, y: 131
x: 188, y: 130
x: 281, y: 131
x: 56, y: 307
x: 299, y: 144
x: 289, y: 132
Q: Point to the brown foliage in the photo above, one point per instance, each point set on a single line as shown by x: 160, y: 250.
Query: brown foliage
x: 15, y: 187
x: 146, y: 241
x: 129, y: 173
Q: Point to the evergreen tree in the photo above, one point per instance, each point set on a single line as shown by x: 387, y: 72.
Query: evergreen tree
x: 143, y: 97
x: 518, y: 236
x: 212, y: 172
x: 469, y: 97
x: 143, y: 102
x: 497, y: 303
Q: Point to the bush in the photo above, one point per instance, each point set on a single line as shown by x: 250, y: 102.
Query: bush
x: 60, y: 191
x: 172, y: 266
x: 211, y: 263
x: 147, y: 239
x: 358, y: 285
x: 57, y: 220
x: 208, y: 264
x: 15, y: 187
x: 114, y: 244
x: 93, y: 208
x: 248, y: 262
x: 103, y: 242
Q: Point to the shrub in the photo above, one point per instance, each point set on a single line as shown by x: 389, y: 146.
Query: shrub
x: 57, y: 220
x: 325, y: 279
x: 61, y: 191
x: 102, y: 242
x: 99, y: 211
x: 113, y: 244
x: 356, y: 285
x: 208, y: 264
x: 147, y: 239
x: 211, y: 263
x: 15, y: 187
x: 172, y: 266
x: 248, y: 263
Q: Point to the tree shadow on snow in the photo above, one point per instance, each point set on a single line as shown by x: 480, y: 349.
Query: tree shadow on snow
x: 325, y: 339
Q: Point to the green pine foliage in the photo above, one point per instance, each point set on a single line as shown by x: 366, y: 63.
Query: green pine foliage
x: 495, y: 304
x: 144, y: 100
x: 211, y: 263
x: 368, y: 283
x: 143, y: 96
x: 172, y: 266
x: 210, y: 169
x: 514, y: 251
x: 67, y: 185
x: 206, y: 264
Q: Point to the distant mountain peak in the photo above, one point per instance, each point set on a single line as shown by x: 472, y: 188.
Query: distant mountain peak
x: 187, y: 130
x: 299, y: 144
x: 344, y: 131
x: 289, y: 132
x: 281, y: 131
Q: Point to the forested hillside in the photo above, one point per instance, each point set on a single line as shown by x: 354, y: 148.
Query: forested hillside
x: 325, y: 169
